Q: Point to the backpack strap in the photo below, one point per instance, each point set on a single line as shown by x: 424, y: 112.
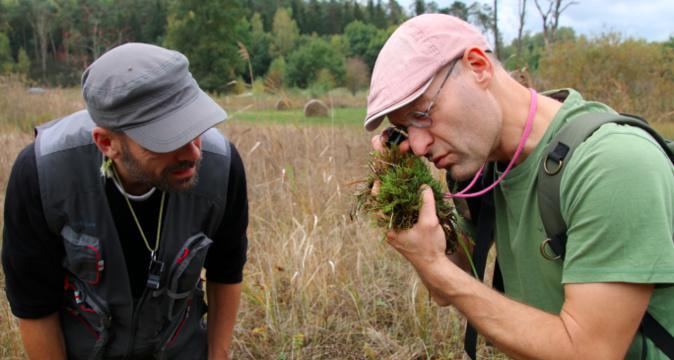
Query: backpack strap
x: 559, y: 151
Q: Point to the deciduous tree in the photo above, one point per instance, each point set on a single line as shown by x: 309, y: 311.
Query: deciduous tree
x: 205, y: 31
x: 284, y: 33
x: 304, y: 63
x: 550, y: 16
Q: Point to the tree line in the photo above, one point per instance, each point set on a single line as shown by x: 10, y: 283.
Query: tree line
x: 271, y: 43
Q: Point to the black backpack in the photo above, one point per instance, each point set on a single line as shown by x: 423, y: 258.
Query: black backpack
x: 558, y: 151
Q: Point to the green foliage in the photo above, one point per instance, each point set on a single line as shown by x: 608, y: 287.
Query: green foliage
x: 23, y: 64
x: 401, y: 176
x: 284, y: 33
x: 258, y: 46
x: 205, y: 31
x: 305, y: 62
x: 358, y: 35
x: 459, y: 9
x: 396, y: 14
x: 376, y: 14
x: 633, y: 76
x: 531, y: 49
x: 276, y: 74
x: 61, y: 37
x: 365, y: 41
x: 339, y: 43
x: 419, y: 7
x: 6, y: 60
x: 669, y: 43
x: 323, y: 83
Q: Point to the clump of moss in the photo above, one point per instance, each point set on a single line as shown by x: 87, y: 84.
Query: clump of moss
x: 397, y: 203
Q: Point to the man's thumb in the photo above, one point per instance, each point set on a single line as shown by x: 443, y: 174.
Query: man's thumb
x: 427, y: 210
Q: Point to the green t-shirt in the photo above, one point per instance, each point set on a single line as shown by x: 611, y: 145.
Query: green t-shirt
x: 617, y: 194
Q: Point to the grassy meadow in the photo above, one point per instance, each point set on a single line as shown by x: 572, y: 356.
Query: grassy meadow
x: 318, y: 285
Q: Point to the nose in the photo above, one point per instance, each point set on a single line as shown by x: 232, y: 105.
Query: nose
x: 420, y: 140
x: 190, y: 151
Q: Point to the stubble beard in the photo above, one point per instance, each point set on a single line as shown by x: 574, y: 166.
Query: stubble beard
x: 138, y: 174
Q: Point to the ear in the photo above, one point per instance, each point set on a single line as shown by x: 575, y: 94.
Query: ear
x: 479, y: 63
x: 107, y: 141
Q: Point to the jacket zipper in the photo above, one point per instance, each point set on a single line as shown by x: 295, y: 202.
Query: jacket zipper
x: 134, y: 321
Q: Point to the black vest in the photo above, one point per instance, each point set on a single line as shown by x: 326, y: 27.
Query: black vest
x: 99, y: 318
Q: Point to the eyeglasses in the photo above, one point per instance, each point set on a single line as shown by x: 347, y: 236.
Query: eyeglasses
x: 422, y: 119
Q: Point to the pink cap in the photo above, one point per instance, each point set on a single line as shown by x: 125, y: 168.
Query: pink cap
x: 410, y: 58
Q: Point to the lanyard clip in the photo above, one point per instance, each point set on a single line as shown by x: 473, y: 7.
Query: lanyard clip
x: 154, y: 273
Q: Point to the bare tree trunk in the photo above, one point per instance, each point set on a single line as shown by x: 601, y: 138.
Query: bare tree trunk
x: 545, y: 15
x: 41, y: 35
x: 551, y: 18
x: 66, y: 45
x: 522, y: 11
x: 497, y: 37
x: 39, y: 20
x: 52, y: 43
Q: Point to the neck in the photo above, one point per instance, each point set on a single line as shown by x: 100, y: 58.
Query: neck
x: 515, y: 113
x: 131, y: 186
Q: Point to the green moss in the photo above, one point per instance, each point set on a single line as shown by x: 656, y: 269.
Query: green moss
x: 397, y: 203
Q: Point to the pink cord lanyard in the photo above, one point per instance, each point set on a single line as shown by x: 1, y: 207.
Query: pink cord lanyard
x: 533, y: 105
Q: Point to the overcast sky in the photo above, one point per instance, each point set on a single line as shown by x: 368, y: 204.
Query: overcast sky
x: 652, y: 20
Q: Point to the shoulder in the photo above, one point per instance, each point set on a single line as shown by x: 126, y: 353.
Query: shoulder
x: 236, y: 166
x: 24, y: 166
x: 621, y: 174
x: 621, y: 148
x: 215, y: 142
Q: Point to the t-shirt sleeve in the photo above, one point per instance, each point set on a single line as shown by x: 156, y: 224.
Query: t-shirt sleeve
x: 616, y: 197
x: 227, y: 256
x: 31, y: 254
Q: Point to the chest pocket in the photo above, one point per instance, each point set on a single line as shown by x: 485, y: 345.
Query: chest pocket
x: 185, y: 272
x: 172, y: 314
x: 84, y: 257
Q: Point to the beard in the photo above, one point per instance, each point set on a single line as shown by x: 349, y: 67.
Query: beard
x: 163, y: 181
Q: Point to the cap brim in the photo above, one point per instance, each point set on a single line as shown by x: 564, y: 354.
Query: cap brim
x: 372, y: 122
x: 180, y: 127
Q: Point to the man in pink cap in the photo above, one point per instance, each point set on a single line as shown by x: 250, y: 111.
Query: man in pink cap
x: 438, y: 83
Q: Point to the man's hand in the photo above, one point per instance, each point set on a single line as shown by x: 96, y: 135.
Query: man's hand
x: 423, y: 244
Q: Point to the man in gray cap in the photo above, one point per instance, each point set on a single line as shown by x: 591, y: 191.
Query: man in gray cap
x: 609, y: 295
x: 113, y: 211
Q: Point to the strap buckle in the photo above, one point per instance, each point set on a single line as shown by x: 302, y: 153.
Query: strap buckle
x: 545, y: 253
x: 554, y: 171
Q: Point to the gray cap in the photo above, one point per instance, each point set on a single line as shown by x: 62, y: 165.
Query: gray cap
x: 147, y: 92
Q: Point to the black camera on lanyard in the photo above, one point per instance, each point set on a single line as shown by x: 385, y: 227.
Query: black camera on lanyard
x: 395, y: 135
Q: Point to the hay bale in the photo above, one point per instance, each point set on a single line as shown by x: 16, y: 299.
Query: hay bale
x: 315, y: 108
x: 283, y: 104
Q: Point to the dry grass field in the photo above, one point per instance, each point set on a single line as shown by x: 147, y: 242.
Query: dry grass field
x: 317, y: 284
